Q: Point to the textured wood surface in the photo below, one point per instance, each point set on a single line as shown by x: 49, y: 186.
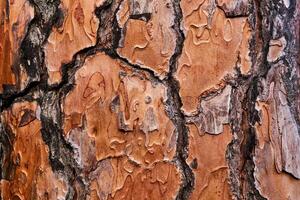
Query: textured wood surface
x: 149, y: 99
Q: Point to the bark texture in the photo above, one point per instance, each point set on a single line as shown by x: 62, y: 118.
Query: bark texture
x: 149, y: 99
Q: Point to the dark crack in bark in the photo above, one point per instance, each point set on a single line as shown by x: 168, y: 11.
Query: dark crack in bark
x: 173, y: 108
x: 31, y: 50
x: 7, y: 165
x: 243, y: 116
x: 110, y: 36
x: 109, y: 33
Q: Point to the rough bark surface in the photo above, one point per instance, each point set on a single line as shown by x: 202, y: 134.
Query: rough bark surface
x: 149, y: 99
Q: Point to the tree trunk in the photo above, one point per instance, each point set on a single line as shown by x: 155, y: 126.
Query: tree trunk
x: 149, y: 99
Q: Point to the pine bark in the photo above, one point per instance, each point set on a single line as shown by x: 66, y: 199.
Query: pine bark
x: 149, y: 99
